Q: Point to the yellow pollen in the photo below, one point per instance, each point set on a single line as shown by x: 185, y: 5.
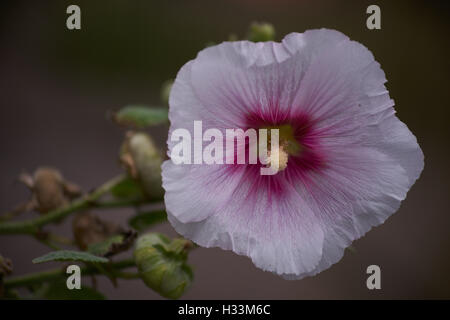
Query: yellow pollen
x: 279, y: 155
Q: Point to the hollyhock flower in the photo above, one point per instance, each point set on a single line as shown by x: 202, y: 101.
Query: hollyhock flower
x: 348, y: 160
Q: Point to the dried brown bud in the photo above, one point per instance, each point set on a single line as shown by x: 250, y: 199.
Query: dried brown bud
x: 50, y: 190
x: 5, y: 269
x: 6, y: 266
x: 88, y: 229
x: 114, y: 244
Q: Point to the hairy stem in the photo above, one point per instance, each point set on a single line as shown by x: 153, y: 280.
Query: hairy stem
x: 127, y: 275
x: 134, y: 202
x: 45, y: 276
x: 88, y: 201
x: 48, y: 243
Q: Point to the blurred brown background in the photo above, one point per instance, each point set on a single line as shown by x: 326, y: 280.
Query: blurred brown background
x: 56, y: 86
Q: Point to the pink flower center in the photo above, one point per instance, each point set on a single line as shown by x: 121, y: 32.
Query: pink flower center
x: 299, y: 140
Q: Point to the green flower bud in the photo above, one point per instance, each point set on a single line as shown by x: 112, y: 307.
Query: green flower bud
x: 143, y: 161
x: 261, y: 32
x: 233, y: 37
x: 162, y: 264
x: 165, y: 91
x: 140, y: 116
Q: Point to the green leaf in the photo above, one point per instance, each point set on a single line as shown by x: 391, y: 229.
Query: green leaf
x: 57, y: 290
x: 68, y: 255
x: 144, y: 220
x: 162, y: 264
x: 126, y: 189
x: 140, y: 117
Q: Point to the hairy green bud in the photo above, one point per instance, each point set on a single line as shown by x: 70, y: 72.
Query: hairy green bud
x: 162, y: 264
x: 261, y: 32
x: 143, y: 161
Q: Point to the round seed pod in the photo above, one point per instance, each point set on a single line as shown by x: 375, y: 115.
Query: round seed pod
x: 162, y: 264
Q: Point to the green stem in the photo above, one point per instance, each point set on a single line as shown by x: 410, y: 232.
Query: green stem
x: 48, y: 243
x: 44, y: 276
x: 31, y: 226
x: 15, y: 212
x: 127, y: 275
x: 134, y: 202
x: 55, y: 238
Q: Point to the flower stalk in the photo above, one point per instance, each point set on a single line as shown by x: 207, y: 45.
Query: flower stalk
x: 45, y: 276
x: 89, y: 201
